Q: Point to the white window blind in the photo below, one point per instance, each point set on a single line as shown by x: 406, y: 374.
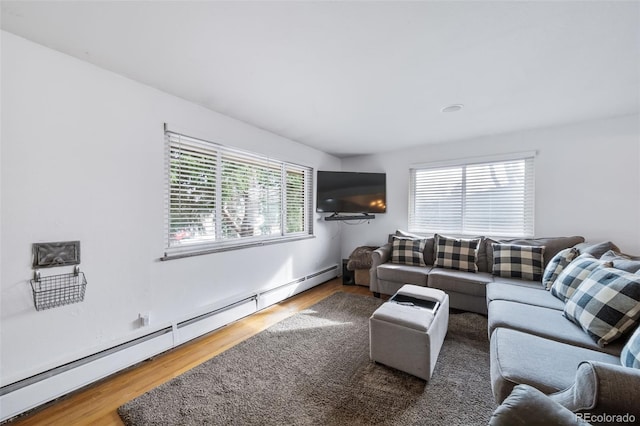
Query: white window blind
x: 221, y: 197
x: 489, y: 198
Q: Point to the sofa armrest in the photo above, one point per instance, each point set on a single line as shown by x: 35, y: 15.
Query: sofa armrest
x: 603, y: 388
x: 526, y: 405
x: 378, y: 257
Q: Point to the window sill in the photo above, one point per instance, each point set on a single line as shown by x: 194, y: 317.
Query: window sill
x: 222, y: 247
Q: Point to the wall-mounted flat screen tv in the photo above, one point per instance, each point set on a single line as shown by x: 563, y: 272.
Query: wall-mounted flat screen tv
x: 351, y: 192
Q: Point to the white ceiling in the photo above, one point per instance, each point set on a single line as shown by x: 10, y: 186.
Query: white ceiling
x: 362, y: 77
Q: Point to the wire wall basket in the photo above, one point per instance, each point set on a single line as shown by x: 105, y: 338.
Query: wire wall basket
x: 58, y: 290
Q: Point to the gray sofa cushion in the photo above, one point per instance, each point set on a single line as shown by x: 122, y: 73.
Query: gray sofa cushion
x: 548, y: 365
x: 460, y: 281
x: 543, y: 322
x: 551, y: 245
x: 520, y: 294
x: 517, y: 282
x: 404, y: 274
x: 485, y: 263
x: 596, y: 249
x: 622, y: 261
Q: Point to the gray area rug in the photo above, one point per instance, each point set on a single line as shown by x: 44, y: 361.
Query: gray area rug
x: 314, y: 369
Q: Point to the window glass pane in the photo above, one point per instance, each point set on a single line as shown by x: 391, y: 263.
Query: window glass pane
x: 437, y: 200
x: 295, y: 201
x: 192, y: 200
x: 250, y: 198
x: 493, y: 198
x: 217, y: 195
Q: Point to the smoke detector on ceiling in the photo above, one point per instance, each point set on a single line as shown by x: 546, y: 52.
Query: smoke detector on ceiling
x: 452, y: 108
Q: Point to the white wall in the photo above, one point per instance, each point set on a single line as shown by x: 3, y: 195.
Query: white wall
x: 587, y: 180
x: 82, y: 159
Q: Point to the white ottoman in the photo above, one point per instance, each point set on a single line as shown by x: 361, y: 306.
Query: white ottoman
x: 409, y: 338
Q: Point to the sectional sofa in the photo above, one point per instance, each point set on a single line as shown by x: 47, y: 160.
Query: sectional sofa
x: 467, y: 290
x: 543, y: 337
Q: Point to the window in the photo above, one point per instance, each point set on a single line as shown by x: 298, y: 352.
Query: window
x: 219, y: 197
x: 494, y: 198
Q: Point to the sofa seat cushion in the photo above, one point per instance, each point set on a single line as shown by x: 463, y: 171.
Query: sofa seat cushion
x: 521, y: 294
x: 544, y: 322
x: 548, y: 365
x: 518, y: 282
x: 463, y: 282
x: 404, y: 273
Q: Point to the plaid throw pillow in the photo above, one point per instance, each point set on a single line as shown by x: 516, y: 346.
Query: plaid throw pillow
x: 557, y: 265
x: 606, y: 305
x: 454, y: 253
x: 573, y: 275
x: 407, y: 251
x: 514, y: 261
x: 630, y: 356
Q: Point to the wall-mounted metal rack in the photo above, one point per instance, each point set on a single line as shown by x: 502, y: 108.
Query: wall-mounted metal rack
x: 61, y: 289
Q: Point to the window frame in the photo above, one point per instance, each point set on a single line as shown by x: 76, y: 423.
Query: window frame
x: 528, y: 199
x: 216, y: 154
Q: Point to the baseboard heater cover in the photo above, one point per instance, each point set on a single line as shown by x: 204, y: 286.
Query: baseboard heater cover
x: 275, y: 295
x: 23, y: 395
x: 29, y: 393
x: 202, y: 324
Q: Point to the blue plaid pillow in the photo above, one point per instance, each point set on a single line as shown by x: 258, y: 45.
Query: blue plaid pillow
x: 408, y: 251
x: 606, y: 305
x: 557, y: 265
x: 455, y: 253
x: 573, y: 275
x: 630, y: 356
x: 515, y: 261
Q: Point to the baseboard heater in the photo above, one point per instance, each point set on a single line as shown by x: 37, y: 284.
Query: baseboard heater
x: 26, y: 394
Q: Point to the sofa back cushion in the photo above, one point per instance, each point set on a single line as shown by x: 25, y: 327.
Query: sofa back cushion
x: 622, y: 261
x: 457, y: 253
x: 515, y: 261
x: 606, y: 305
x: 596, y: 249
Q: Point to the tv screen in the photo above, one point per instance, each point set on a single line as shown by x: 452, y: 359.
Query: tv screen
x: 351, y: 192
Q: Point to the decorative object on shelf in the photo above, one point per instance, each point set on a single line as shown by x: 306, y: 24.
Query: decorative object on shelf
x: 61, y: 289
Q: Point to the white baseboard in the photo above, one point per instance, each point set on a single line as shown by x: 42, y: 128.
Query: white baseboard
x: 21, y: 396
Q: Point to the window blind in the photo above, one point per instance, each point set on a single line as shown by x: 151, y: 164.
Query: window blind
x: 488, y: 198
x: 218, y: 196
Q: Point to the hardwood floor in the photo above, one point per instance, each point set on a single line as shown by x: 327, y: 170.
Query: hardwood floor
x: 97, y: 404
